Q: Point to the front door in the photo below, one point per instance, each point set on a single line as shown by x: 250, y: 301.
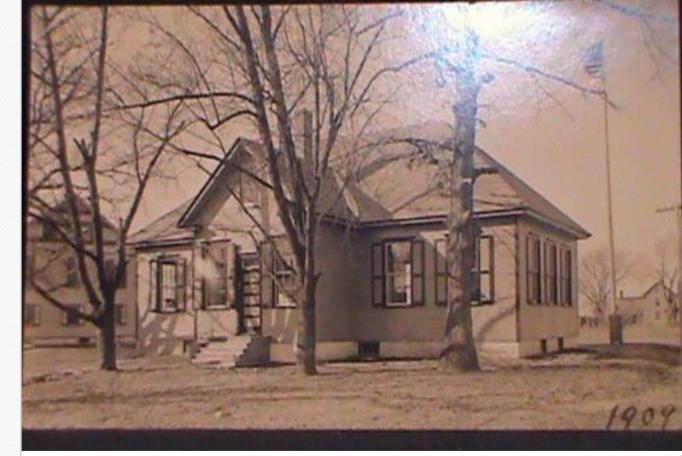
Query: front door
x: 251, y: 316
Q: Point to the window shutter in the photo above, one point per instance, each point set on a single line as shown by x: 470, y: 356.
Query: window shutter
x: 491, y: 266
x: 266, y: 278
x: 153, y: 285
x: 36, y: 314
x: 228, y: 257
x: 181, y: 282
x: 378, y: 289
x: 417, y: 272
x: 65, y: 317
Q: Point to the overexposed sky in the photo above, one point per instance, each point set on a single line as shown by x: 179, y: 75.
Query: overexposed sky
x: 553, y: 136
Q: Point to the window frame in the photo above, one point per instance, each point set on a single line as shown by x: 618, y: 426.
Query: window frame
x: 479, y: 273
x: 567, y: 279
x: 408, y: 272
x: 440, y: 273
x: 533, y: 276
x: 222, y: 288
x: 285, y: 273
x: 551, y: 273
x: 157, y: 305
x: 246, y: 183
x: 66, y: 314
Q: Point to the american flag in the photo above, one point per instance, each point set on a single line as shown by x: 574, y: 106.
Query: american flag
x: 594, y: 60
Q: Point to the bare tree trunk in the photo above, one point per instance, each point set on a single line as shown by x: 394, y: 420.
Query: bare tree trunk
x: 107, y: 338
x: 305, y: 348
x: 460, y: 350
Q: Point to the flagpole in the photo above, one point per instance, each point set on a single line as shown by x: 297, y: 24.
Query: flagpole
x: 617, y: 337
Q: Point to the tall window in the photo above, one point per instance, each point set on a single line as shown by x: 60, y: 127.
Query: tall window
x: 483, y: 271
x: 533, y: 277
x: 551, y: 276
x: 70, y: 317
x: 249, y: 190
x: 398, y: 273
x: 72, y: 278
x: 215, y: 280
x: 441, y: 271
x: 120, y: 314
x: 167, y: 284
x: 566, y: 277
x: 285, y: 285
x: 32, y: 314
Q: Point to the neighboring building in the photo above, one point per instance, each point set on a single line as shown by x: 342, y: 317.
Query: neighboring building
x: 205, y: 273
x: 53, y: 265
x: 657, y: 306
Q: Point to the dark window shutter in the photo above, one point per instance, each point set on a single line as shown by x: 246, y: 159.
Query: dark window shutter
x: 417, y: 272
x: 153, y: 285
x: 491, y: 266
x: 266, y: 278
x: 181, y: 284
x: 378, y: 288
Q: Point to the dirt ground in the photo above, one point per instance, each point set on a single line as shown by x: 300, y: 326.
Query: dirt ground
x: 62, y: 389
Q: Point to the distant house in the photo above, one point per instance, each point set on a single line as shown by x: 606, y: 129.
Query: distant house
x: 53, y: 265
x: 206, y: 274
x: 657, y: 306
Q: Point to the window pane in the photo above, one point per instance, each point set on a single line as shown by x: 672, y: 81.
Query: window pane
x: 168, y: 285
x: 484, y: 250
x: 398, y: 272
x: 485, y: 288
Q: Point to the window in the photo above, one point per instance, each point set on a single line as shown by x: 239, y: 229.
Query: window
x: 249, y: 190
x: 285, y: 286
x: 398, y: 273
x: 32, y: 314
x: 70, y: 317
x: 30, y: 267
x: 215, y: 280
x: 533, y: 278
x: 441, y: 271
x: 167, y: 284
x: 551, y: 277
x: 566, y: 277
x: 483, y: 273
x: 120, y: 313
x: 398, y: 268
x: 72, y: 277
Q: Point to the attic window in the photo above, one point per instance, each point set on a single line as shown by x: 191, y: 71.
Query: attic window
x: 249, y: 191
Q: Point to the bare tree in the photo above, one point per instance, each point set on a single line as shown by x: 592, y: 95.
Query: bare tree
x: 263, y: 65
x: 666, y: 276
x: 73, y: 170
x: 595, y: 280
x: 460, y: 58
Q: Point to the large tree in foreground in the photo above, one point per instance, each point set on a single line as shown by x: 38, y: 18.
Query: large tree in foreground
x: 85, y: 160
x: 263, y: 65
x: 465, y: 66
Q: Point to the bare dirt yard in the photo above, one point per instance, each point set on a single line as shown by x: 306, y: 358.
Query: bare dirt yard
x: 62, y: 389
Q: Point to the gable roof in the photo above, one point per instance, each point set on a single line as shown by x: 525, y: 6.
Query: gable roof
x: 394, y: 184
x: 164, y: 229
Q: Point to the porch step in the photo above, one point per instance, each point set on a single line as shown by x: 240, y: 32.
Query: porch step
x: 236, y: 351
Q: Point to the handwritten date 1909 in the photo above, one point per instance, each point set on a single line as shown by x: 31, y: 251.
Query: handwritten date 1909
x: 649, y: 418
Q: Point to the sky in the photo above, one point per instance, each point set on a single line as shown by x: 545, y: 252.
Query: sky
x: 550, y: 135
